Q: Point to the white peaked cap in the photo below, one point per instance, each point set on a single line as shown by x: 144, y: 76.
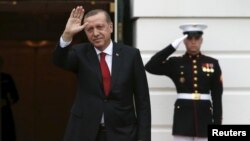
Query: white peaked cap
x: 193, y: 27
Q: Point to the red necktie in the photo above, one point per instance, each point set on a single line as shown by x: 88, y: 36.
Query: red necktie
x: 105, y: 74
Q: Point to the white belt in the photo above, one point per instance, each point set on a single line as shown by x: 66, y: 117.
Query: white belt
x: 194, y: 96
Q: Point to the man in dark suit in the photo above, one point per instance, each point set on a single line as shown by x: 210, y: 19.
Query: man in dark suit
x: 111, y: 104
x: 198, y: 82
x: 9, y: 97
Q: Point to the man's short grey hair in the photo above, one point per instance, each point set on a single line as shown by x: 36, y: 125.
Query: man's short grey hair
x: 97, y: 11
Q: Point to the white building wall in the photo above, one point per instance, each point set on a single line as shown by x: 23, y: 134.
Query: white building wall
x: 227, y: 38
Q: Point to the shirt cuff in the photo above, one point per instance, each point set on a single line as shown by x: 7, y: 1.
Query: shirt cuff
x: 64, y: 44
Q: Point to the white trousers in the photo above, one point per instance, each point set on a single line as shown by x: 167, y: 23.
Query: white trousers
x: 186, y: 138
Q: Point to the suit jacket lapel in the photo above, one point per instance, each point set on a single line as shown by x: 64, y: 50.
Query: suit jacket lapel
x: 94, y: 62
x: 116, y: 63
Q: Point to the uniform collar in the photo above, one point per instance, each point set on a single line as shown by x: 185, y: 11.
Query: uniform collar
x: 192, y: 56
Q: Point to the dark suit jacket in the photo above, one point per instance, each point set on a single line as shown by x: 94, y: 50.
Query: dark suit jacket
x: 9, y: 95
x: 127, y: 108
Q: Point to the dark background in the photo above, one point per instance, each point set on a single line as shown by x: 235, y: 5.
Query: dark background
x: 29, y: 31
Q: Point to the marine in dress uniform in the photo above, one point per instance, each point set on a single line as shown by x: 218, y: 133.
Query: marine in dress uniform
x: 198, y: 83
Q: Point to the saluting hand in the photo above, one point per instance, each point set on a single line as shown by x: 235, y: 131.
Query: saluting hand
x: 178, y: 41
x: 74, y: 24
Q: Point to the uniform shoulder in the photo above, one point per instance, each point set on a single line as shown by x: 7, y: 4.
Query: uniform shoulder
x: 210, y: 58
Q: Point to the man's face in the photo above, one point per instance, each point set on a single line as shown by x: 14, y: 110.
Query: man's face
x: 98, y: 30
x: 193, y: 44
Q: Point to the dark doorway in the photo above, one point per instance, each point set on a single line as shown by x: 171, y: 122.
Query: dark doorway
x: 29, y: 33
